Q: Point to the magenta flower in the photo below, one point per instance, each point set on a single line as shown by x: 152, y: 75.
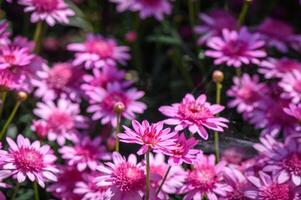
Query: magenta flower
x: 33, y: 161
x: 61, y: 80
x: 152, y: 137
x: 205, y: 179
x: 294, y: 111
x: 273, y: 68
x: 102, y: 102
x: 291, y: 85
x: 97, y: 52
x: 174, y: 180
x: 184, y: 151
x: 282, y: 159
x: 86, y: 153
x: 8, y: 81
x: 51, y: 11
x: 247, y: 93
x: 4, y: 34
x: 196, y: 114
x: 62, y: 119
x: 125, y: 178
x: 269, y: 188
x: 213, y: 23
x: 236, y: 48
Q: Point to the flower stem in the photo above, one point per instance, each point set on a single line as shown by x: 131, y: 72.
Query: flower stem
x: 147, y: 176
x: 38, y: 36
x: 164, y: 179
x: 117, y: 131
x: 13, y: 197
x: 10, y: 118
x: 218, y: 101
x: 3, y: 98
x: 36, y: 191
x: 243, y: 13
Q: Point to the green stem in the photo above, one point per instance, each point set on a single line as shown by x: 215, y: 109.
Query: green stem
x: 216, y: 139
x: 117, y: 131
x: 13, y: 197
x: 3, y: 98
x: 238, y: 72
x: 164, y: 179
x: 243, y: 13
x: 38, y: 36
x: 10, y: 118
x: 36, y: 191
x: 147, y: 175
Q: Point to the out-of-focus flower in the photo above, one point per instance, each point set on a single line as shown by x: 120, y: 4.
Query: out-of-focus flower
x: 184, y: 151
x: 125, y: 178
x: 205, y: 179
x: 213, y: 23
x: 8, y: 81
x: 236, y: 48
x: 196, y: 114
x: 62, y: 119
x: 291, y: 85
x: 277, y: 68
x: 40, y: 127
x: 174, y: 180
x: 62, y: 80
x: 33, y: 161
x: 97, y: 52
x: 50, y: 11
x: 4, y: 34
x: 86, y: 153
x: 234, y: 155
x: 152, y: 137
x: 281, y: 37
x: 247, y: 93
x: 294, y: 111
x: 131, y: 36
x: 269, y: 188
x: 102, y: 102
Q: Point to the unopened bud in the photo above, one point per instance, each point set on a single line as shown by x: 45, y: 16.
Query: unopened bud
x: 22, y: 96
x: 111, y: 142
x: 119, y: 107
x: 218, y: 76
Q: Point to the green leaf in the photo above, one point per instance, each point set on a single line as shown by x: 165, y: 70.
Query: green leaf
x: 164, y: 40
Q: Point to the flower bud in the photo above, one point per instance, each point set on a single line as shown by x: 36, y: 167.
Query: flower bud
x: 119, y: 107
x: 22, y: 96
x: 111, y: 142
x: 218, y: 76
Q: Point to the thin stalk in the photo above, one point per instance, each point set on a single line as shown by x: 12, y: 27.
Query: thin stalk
x: 38, y: 36
x: 36, y: 191
x: 117, y: 131
x: 10, y: 118
x: 243, y: 13
x: 164, y: 179
x: 3, y: 98
x: 13, y: 197
x: 147, y: 176
x: 238, y: 72
x: 216, y: 139
x: 191, y: 12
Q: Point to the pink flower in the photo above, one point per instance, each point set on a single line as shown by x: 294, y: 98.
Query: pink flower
x: 236, y: 48
x: 97, y: 52
x: 247, y: 93
x: 294, y: 111
x: 213, y: 24
x: 273, y: 68
x: 62, y: 119
x: 152, y: 137
x: 205, y: 179
x: 282, y: 159
x: 183, y: 151
x: 40, y: 127
x: 174, y: 180
x: 61, y: 80
x: 102, y: 102
x: 196, y: 114
x: 291, y: 85
x: 125, y: 178
x: 51, y: 11
x: 86, y: 153
x: 4, y: 34
x: 8, y: 81
x: 269, y: 188
x: 234, y: 155
x: 33, y: 161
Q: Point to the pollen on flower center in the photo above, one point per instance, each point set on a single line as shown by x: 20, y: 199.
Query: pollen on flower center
x: 59, y: 76
x: 194, y: 110
x: 102, y: 48
x: 58, y: 120
x: 28, y: 159
x: 46, y: 5
x: 293, y: 164
x: 203, y: 178
x: 275, y: 192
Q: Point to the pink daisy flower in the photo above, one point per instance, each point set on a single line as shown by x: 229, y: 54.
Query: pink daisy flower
x: 62, y: 119
x: 40, y: 127
x: 281, y: 38
x: 282, y: 159
x: 277, y: 68
x: 234, y: 155
x: 236, y: 48
x: 86, y: 153
x: 291, y: 85
x: 205, y: 179
x: 8, y: 81
x: 184, y: 151
x: 102, y: 102
x: 4, y: 34
x: 174, y: 180
x: 152, y: 137
x: 125, y: 178
x: 247, y: 93
x: 196, y: 114
x: 213, y: 23
x: 33, y: 161
x: 294, y: 111
x: 269, y: 188
x: 61, y: 80
x: 50, y: 11
x: 97, y: 52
